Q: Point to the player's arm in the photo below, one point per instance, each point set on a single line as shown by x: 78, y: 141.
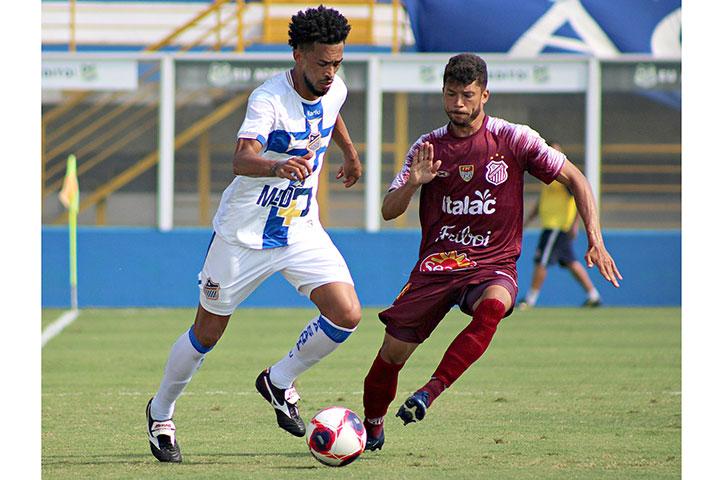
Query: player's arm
x: 248, y: 162
x: 596, y: 254
x: 422, y: 170
x: 351, y: 168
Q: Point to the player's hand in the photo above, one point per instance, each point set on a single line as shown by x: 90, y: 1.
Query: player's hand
x: 424, y: 167
x: 598, y: 255
x: 295, y: 168
x: 351, y: 169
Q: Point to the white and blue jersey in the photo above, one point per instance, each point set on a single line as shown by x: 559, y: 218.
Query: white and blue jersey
x: 269, y: 212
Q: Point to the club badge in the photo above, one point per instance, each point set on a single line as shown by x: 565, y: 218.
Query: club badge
x: 496, y: 171
x: 466, y: 172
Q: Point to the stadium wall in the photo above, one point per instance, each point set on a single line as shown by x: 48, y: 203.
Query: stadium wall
x: 142, y: 267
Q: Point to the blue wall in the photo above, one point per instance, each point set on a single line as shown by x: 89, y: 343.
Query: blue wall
x: 122, y: 267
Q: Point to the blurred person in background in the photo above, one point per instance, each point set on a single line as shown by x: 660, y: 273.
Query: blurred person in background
x: 560, y: 222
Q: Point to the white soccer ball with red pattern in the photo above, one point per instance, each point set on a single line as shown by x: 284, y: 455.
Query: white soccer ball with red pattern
x: 336, y: 436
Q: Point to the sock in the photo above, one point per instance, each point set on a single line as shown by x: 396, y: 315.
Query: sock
x: 319, y: 338
x: 532, y: 296
x: 467, y: 347
x: 186, y: 356
x: 593, y: 295
x: 380, y: 388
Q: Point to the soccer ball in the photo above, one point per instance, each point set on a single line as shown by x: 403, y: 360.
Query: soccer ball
x: 336, y: 436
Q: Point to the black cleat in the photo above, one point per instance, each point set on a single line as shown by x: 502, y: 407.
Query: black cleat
x: 161, y: 433
x: 414, y: 408
x: 284, y: 401
x: 592, y: 303
x: 375, y: 436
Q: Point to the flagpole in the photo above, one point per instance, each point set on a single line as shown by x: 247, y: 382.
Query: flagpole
x: 70, y: 197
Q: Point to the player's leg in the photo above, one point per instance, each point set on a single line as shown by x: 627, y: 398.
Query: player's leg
x: 340, y: 313
x: 186, y: 356
x: 318, y: 271
x: 566, y: 258
x: 581, y: 275
x: 228, y: 276
x: 380, y: 386
x: 489, y: 303
x: 543, y: 257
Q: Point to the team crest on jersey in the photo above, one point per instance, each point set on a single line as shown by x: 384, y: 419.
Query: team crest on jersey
x: 466, y: 172
x: 211, y: 290
x: 314, y: 141
x: 496, y: 171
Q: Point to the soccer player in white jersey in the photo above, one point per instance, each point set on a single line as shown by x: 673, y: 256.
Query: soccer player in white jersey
x: 268, y: 222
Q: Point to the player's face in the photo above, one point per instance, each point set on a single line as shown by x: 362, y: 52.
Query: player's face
x: 318, y: 65
x: 464, y: 103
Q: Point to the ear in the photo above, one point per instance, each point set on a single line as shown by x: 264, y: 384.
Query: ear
x: 485, y: 96
x: 297, y: 55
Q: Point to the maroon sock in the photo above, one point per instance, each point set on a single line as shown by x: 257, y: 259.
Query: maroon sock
x: 467, y: 347
x: 380, y: 387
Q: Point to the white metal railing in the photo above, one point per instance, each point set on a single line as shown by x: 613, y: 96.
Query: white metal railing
x: 385, y: 73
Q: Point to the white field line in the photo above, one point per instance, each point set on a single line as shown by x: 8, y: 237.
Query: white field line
x: 58, y: 325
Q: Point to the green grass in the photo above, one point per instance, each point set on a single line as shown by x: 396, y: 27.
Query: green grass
x: 560, y: 394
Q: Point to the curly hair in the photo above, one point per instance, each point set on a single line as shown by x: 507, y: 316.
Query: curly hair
x: 318, y: 25
x: 466, y: 68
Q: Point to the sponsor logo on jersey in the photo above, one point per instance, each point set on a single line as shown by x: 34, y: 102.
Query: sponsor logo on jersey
x: 443, y: 173
x: 211, y: 289
x: 466, y: 172
x: 496, y: 170
x: 484, y: 204
x: 439, y: 262
x: 464, y: 237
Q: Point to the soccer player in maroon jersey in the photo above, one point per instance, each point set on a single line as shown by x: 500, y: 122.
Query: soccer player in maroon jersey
x: 470, y: 176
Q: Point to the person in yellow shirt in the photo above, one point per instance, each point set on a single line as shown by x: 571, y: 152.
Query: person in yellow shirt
x: 558, y: 215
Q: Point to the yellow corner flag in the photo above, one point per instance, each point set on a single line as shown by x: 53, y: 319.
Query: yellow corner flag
x: 70, y: 193
x: 70, y: 197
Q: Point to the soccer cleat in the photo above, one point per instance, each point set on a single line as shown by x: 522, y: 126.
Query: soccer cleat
x: 284, y: 401
x: 375, y: 436
x: 592, y: 303
x: 414, y: 408
x: 163, y: 444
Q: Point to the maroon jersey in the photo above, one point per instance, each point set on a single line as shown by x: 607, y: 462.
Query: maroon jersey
x: 471, y: 213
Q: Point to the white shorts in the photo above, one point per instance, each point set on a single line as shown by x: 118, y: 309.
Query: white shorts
x: 231, y: 273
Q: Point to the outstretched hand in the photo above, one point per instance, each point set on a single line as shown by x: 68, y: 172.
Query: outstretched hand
x: 424, y: 167
x: 598, y: 255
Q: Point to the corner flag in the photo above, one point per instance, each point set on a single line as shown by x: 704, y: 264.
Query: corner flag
x: 70, y: 197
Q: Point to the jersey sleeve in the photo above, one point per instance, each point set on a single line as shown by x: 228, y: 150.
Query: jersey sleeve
x: 259, y: 118
x: 404, y: 173
x: 539, y: 159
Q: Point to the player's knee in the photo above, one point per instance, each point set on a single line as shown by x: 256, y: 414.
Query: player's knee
x: 348, y: 315
x: 207, y: 336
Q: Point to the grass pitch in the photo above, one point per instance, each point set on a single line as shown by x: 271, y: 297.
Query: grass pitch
x: 560, y: 393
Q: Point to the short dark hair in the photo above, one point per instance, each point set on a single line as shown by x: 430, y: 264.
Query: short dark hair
x: 466, y: 68
x: 318, y: 25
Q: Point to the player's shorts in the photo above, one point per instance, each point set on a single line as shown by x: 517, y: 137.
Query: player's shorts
x: 231, y: 273
x: 555, y: 246
x: 427, y: 298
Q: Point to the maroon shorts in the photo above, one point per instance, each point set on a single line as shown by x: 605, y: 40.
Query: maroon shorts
x: 428, y: 297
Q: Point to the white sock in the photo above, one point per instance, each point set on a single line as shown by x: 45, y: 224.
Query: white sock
x: 318, y: 339
x: 532, y: 296
x: 186, y: 356
x: 593, y: 295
